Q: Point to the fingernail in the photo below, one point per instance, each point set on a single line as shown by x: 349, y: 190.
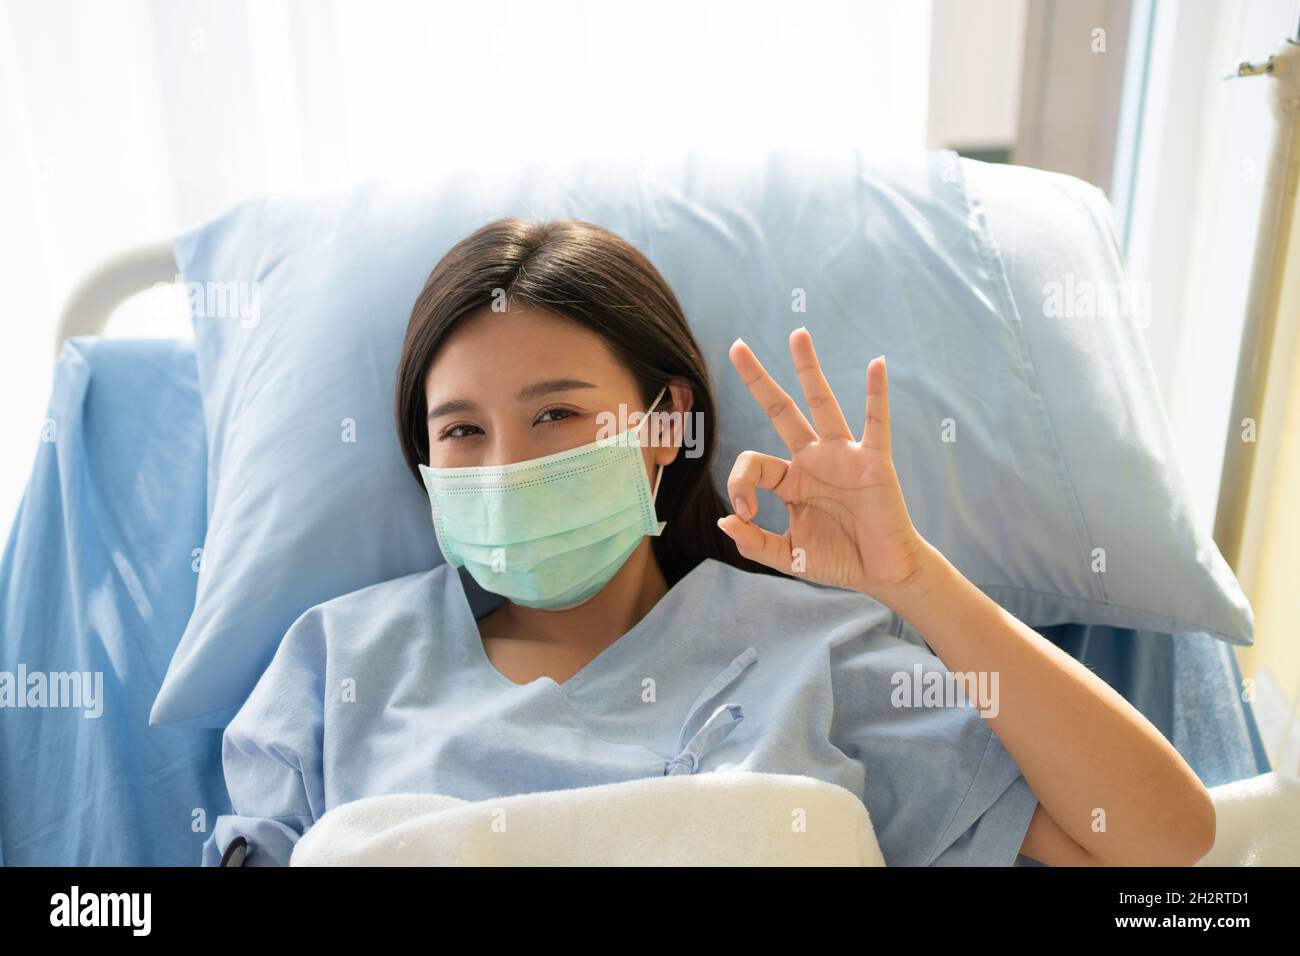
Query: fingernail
x: 741, y: 508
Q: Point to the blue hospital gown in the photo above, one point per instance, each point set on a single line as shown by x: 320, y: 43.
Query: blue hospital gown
x: 389, y: 690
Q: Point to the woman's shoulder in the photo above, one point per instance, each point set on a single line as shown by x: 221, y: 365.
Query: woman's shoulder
x: 785, y: 586
x: 779, y: 601
x: 372, y: 607
x: 349, y: 630
x: 798, y: 627
x: 381, y: 592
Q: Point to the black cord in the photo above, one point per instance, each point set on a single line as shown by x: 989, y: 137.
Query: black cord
x: 235, y: 852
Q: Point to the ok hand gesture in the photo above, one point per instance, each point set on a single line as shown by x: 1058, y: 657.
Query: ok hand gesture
x: 849, y: 526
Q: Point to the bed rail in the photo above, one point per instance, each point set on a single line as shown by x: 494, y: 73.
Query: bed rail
x: 111, y: 283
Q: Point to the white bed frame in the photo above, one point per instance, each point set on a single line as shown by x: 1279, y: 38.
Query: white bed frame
x: 111, y: 283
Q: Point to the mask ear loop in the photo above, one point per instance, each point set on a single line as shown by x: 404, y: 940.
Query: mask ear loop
x: 660, y: 473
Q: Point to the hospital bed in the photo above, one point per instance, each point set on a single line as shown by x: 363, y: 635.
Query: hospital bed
x: 99, y: 575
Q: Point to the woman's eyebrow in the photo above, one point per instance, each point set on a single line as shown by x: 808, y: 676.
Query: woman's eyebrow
x: 553, y: 385
x: 454, y: 405
x: 528, y: 392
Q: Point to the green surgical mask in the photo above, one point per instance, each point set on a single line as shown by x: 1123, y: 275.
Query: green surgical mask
x: 548, y: 532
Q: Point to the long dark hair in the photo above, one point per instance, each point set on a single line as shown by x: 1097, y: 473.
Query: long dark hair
x: 590, y: 275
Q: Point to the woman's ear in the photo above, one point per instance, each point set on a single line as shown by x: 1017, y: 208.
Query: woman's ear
x: 682, y: 396
x: 668, y: 429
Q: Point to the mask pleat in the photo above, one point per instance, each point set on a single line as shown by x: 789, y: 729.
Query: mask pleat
x: 521, y: 511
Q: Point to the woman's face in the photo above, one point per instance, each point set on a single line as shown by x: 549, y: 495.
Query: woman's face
x: 509, y: 386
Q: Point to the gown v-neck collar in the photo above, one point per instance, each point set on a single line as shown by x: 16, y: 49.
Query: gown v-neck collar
x: 466, y: 628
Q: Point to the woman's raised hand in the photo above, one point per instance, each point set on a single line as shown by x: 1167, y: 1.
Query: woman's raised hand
x: 849, y: 526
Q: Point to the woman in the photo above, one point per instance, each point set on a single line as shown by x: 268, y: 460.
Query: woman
x: 642, y: 629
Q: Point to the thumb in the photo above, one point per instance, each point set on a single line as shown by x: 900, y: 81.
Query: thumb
x: 758, y: 544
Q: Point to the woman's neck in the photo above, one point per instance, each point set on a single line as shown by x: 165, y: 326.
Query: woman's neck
x: 590, y: 627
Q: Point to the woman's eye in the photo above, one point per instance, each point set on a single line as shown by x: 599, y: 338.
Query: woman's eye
x: 456, y: 431
x: 563, y: 412
x: 465, y: 430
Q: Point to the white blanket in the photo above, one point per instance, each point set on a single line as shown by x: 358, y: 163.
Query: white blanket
x: 1258, y: 822
x: 709, y: 819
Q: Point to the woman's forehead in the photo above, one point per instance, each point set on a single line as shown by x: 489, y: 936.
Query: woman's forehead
x: 512, y: 350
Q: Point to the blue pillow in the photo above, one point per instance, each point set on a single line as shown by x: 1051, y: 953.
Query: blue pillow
x: 300, y: 305
x: 1082, y: 323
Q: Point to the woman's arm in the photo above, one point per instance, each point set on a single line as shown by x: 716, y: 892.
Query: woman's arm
x: 272, y: 753
x: 1111, y: 789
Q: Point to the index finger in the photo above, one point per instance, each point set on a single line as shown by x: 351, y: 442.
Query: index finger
x: 780, y: 407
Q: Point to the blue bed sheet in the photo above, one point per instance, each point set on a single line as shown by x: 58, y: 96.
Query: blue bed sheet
x: 97, y: 578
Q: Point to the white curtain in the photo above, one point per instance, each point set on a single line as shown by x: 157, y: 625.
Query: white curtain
x: 1197, y: 191
x: 124, y: 123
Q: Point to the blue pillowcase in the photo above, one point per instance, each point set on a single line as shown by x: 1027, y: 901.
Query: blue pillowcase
x: 1060, y: 509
